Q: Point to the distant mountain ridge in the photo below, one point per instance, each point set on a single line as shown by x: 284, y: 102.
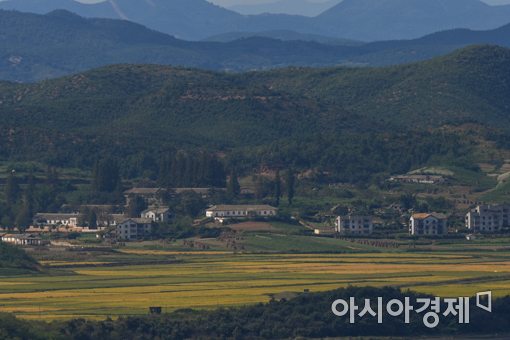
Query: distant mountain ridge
x: 35, y: 47
x: 294, y: 7
x: 283, y: 35
x: 407, y: 19
x: 185, y: 19
x: 365, y: 20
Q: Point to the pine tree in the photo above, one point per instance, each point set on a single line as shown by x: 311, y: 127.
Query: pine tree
x: 277, y: 188
x: 30, y: 190
x: 12, y: 189
x: 290, y: 181
x: 91, y: 219
x: 52, y: 178
x: 25, y: 214
x: 164, y: 172
x: 233, y: 187
x: 136, y: 206
x: 187, y: 175
x: 217, y: 173
x: 260, y: 187
x: 106, y: 175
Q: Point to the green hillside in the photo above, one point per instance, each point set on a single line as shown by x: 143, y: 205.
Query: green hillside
x: 350, y: 122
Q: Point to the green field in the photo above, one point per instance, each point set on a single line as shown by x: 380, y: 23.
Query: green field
x: 212, y: 279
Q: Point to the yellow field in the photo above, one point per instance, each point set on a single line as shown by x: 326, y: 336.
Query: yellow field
x: 209, y: 280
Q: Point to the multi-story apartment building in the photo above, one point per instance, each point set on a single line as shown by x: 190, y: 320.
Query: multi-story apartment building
x: 488, y: 218
x: 134, y: 229
x: 354, y: 225
x: 428, y: 224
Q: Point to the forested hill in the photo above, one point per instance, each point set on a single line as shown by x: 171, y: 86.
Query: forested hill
x: 35, y: 47
x: 383, y: 120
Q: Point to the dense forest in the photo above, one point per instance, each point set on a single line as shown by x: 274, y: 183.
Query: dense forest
x: 347, y: 124
x: 306, y: 316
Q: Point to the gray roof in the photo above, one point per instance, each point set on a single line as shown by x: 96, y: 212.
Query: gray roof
x: 56, y: 216
x: 202, y: 191
x: 136, y: 220
x: 143, y: 191
x: 158, y: 210
x: 247, y: 207
x: 422, y: 216
x: 118, y: 218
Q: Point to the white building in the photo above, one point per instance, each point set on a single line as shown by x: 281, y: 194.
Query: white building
x: 241, y: 211
x: 134, y: 229
x: 50, y: 219
x: 428, y: 224
x: 158, y: 215
x: 354, y: 225
x: 24, y: 240
x: 488, y: 218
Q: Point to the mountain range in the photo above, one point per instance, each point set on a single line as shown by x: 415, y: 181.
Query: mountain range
x: 294, y: 7
x: 365, y: 20
x: 35, y: 47
x: 284, y: 35
x: 380, y: 119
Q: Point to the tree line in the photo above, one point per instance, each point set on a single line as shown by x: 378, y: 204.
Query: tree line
x: 21, y: 202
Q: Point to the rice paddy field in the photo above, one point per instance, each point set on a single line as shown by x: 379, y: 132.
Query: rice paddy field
x: 91, y: 289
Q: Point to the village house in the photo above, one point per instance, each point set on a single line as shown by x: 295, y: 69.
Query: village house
x: 45, y: 222
x: 428, y: 224
x: 222, y: 212
x: 24, y: 240
x: 157, y: 214
x: 62, y: 229
x: 131, y: 229
x: 54, y: 220
x: 488, y: 218
x: 354, y: 225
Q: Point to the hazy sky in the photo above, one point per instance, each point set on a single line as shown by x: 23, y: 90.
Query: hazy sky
x: 238, y: 2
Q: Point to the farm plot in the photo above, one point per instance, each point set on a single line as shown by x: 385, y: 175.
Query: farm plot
x: 213, y: 279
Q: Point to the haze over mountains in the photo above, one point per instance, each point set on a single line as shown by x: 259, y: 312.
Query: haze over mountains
x: 366, y: 20
x: 295, y: 7
x: 35, y: 47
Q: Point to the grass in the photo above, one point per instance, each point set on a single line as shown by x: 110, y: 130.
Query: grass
x: 265, y: 242
x: 39, y: 170
x: 212, y: 279
x: 478, y: 179
x: 500, y: 194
